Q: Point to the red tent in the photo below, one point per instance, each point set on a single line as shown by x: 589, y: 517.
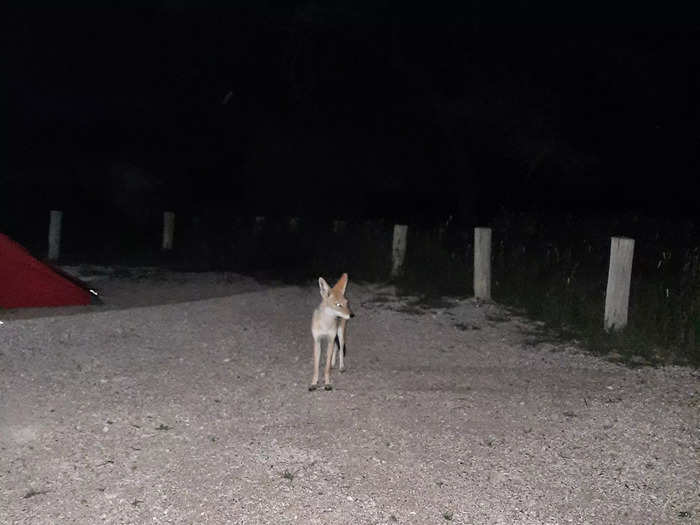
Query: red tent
x: 27, y: 282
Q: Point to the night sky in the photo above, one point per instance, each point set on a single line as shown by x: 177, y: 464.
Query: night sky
x: 353, y: 109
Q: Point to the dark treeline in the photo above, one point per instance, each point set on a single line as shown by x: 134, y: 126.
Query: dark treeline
x: 349, y: 109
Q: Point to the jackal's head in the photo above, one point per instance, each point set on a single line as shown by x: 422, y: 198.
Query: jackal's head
x: 334, y: 298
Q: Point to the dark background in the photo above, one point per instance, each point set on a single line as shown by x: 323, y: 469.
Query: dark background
x: 350, y: 109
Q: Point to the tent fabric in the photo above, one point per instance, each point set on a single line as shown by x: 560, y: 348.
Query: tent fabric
x: 26, y: 282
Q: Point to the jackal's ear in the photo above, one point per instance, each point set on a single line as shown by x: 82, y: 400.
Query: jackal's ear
x: 341, y: 284
x: 323, y: 286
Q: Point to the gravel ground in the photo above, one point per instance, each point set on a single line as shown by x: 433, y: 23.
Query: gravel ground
x: 184, y: 400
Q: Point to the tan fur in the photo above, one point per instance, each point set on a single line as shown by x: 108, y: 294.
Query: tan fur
x: 328, y: 323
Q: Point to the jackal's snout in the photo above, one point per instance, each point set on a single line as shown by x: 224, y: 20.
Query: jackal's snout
x: 344, y: 312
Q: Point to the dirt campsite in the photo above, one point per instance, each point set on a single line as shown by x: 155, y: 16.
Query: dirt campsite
x: 184, y: 398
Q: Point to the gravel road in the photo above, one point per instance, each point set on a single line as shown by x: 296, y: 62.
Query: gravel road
x: 184, y: 399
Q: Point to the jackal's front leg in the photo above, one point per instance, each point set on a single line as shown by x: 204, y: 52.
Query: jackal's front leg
x: 327, y: 371
x: 317, y: 359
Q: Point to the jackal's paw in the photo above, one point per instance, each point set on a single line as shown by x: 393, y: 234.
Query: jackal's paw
x: 328, y: 387
x: 313, y: 387
x: 342, y: 369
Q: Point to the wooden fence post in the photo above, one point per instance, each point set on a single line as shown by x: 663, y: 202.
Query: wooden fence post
x: 339, y: 226
x: 293, y: 224
x: 55, y: 234
x: 619, y: 277
x: 482, y: 263
x: 168, y: 230
x: 259, y: 224
x: 398, y: 249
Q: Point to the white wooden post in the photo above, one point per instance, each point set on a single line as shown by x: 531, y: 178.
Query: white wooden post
x: 168, y: 230
x: 482, y: 263
x: 55, y: 234
x: 294, y: 224
x: 259, y: 223
x: 398, y: 249
x: 619, y: 277
x: 339, y: 226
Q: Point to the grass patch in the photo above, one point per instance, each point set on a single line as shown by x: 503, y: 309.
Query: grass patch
x: 436, y: 265
x: 550, y: 277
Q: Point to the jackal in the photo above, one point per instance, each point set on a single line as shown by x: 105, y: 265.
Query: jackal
x: 328, y: 325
